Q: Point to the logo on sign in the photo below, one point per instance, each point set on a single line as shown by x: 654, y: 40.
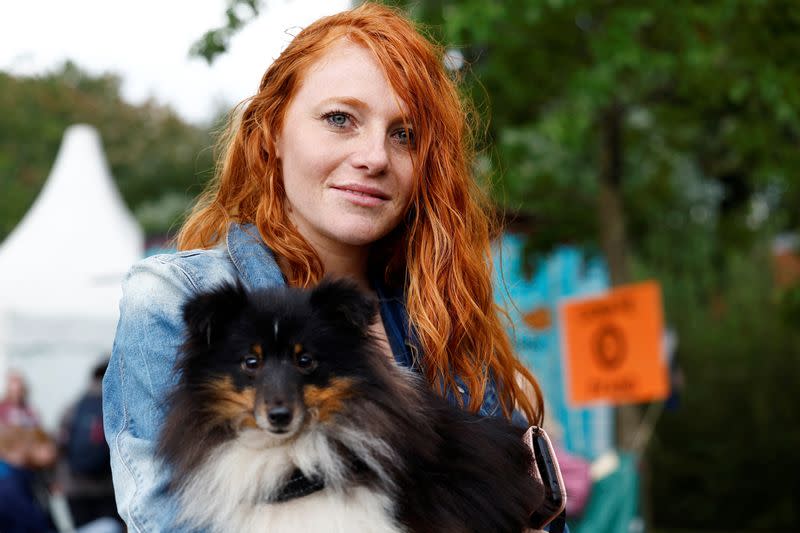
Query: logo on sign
x: 609, y: 346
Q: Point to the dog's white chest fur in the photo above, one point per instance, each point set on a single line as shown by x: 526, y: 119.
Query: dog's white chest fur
x: 360, y: 511
x: 228, y: 492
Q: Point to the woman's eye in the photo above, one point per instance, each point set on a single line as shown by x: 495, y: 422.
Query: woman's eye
x: 405, y: 136
x: 251, y: 362
x: 337, y: 119
x: 306, y: 362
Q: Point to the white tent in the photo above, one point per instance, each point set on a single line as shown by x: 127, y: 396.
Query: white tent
x: 60, y: 275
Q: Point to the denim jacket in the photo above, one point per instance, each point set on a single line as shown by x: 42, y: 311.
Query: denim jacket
x: 141, y: 370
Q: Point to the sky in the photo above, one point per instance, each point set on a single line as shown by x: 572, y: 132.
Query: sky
x: 147, y: 43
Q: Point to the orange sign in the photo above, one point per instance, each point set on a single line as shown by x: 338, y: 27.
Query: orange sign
x: 614, y: 346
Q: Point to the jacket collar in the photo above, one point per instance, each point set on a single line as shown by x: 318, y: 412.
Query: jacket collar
x: 251, y: 257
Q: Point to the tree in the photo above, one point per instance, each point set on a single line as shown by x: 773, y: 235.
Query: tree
x: 155, y: 157
x: 216, y: 41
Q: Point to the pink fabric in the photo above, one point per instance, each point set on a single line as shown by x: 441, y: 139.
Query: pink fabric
x: 577, y: 479
x: 17, y: 415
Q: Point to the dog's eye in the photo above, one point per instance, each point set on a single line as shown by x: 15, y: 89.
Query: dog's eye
x: 251, y: 362
x: 306, y: 363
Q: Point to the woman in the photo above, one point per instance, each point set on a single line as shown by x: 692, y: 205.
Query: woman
x: 353, y: 159
x: 14, y: 408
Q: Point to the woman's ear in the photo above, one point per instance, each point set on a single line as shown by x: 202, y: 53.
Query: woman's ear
x: 276, y: 147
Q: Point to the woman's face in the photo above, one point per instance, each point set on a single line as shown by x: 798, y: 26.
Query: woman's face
x: 344, y: 152
x: 15, y: 389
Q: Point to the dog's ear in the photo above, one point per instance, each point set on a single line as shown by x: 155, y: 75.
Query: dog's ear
x: 207, y: 313
x: 342, y: 299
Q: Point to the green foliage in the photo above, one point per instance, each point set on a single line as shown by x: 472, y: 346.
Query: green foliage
x: 737, y: 430
x: 789, y: 301
x: 152, y: 153
x: 215, y: 42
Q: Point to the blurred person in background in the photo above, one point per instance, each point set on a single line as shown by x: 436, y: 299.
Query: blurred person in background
x: 354, y: 159
x: 84, y: 469
x: 14, y: 408
x: 24, y: 452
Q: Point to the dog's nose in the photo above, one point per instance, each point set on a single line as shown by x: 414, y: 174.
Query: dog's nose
x: 279, y: 416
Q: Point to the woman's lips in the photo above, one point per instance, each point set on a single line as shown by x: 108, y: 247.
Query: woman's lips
x: 362, y: 195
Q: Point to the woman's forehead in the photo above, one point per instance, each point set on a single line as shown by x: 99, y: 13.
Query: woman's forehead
x: 349, y: 72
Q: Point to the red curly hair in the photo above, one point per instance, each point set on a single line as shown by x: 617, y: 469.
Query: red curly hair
x: 440, y: 255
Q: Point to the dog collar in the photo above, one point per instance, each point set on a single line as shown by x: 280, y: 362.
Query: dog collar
x: 297, y: 486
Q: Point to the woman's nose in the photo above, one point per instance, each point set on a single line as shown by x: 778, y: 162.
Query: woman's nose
x: 372, y: 154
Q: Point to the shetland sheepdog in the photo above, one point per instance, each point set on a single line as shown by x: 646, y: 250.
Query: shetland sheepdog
x: 288, y: 417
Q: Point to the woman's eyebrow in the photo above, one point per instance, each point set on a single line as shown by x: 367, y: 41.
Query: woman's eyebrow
x: 346, y: 100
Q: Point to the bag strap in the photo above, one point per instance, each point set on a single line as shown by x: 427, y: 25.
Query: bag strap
x: 559, y: 524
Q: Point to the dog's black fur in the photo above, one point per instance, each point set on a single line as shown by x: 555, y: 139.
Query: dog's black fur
x: 444, y: 469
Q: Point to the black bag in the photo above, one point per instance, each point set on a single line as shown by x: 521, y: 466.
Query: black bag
x: 545, y: 468
x: 88, y: 454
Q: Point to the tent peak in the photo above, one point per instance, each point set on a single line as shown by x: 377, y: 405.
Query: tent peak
x: 78, y: 227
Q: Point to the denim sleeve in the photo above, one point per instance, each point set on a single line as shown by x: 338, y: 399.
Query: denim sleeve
x: 491, y: 405
x: 139, y: 376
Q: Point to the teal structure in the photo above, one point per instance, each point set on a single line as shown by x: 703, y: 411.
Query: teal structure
x: 565, y: 273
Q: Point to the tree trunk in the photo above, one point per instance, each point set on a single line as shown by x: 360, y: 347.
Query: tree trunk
x: 614, y: 242
x: 613, y: 237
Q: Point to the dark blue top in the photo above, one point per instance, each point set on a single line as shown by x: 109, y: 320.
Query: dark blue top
x: 19, y: 510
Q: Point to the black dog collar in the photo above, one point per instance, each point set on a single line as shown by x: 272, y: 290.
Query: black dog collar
x: 297, y: 486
